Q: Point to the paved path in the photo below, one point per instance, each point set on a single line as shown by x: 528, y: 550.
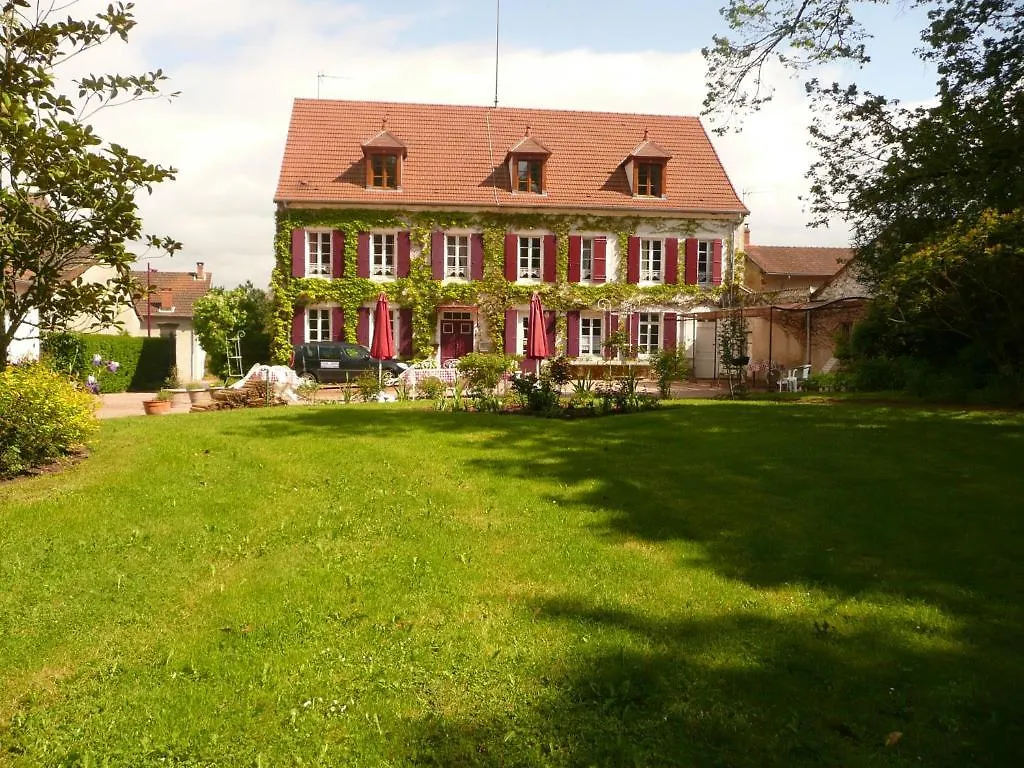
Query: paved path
x: 120, y: 404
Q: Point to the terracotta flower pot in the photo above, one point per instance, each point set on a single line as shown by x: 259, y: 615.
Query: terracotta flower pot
x: 156, y: 407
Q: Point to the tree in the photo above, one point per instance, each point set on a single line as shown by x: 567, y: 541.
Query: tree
x: 222, y: 314
x: 67, y: 198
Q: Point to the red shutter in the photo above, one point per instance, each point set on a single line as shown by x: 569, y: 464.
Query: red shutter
x: 611, y: 322
x: 476, y: 256
x: 511, y: 321
x: 511, y: 257
x: 691, y: 261
x: 299, y: 326
x: 337, y: 324
x: 402, y: 262
x: 550, y: 323
x: 337, y: 253
x: 363, y: 255
x: 363, y: 327
x: 405, y: 332
x: 671, y: 260
x: 550, y: 258
x: 716, y: 262
x: 634, y: 329
x: 298, y: 253
x: 572, y: 322
x: 437, y: 255
x: 600, y: 257
x: 575, y: 250
x: 633, y: 261
x: 669, y: 323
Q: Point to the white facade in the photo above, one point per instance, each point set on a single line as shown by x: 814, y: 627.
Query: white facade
x: 25, y: 345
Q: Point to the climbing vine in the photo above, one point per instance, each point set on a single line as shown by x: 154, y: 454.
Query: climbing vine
x: 423, y: 295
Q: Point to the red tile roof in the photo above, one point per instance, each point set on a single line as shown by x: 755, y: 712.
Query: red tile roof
x: 185, y: 287
x: 798, y: 260
x: 457, y: 156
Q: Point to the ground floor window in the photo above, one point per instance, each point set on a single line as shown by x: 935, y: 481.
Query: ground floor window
x: 649, y: 337
x: 318, y: 325
x: 591, y: 336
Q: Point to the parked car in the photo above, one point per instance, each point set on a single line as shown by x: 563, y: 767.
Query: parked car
x: 338, y: 361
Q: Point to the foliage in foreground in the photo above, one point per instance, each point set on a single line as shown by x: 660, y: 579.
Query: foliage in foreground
x: 43, y: 417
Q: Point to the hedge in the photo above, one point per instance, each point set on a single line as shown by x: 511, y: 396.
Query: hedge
x: 145, y: 361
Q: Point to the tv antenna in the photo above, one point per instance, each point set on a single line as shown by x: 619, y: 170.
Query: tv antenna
x: 321, y: 76
x: 497, y: 39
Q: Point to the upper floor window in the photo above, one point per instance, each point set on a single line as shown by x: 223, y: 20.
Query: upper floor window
x: 456, y: 259
x: 650, y: 179
x: 704, y: 262
x: 586, y: 259
x: 651, y: 260
x: 382, y: 256
x: 649, y: 335
x: 383, y: 171
x: 529, y: 175
x: 318, y: 325
x: 318, y: 254
x: 529, y: 258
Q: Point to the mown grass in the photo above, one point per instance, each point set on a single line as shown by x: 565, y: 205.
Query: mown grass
x: 734, y: 584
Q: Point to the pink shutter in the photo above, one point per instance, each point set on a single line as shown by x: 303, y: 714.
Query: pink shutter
x: 550, y: 323
x: 611, y: 323
x: 550, y: 258
x: 572, y: 340
x: 405, y: 332
x: 633, y: 261
x: 634, y: 329
x: 671, y: 260
x: 437, y: 254
x: 511, y: 257
x: 299, y: 326
x: 669, y: 323
x: 363, y: 255
x: 691, y: 261
x: 298, y: 253
x: 716, y: 262
x: 575, y: 250
x: 337, y: 324
x: 363, y: 327
x: 402, y: 262
x: 600, y: 258
x: 476, y: 256
x: 511, y: 320
x: 337, y: 253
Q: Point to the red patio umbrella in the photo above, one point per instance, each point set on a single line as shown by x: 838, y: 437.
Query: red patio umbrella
x: 536, y: 334
x: 382, y: 346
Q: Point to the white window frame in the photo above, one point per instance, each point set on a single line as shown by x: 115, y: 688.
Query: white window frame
x: 395, y: 325
x: 456, y: 257
x: 383, y: 255
x: 592, y: 349
x: 318, y: 255
x: 648, y: 322
x: 649, y: 249
x: 705, y: 254
x: 535, y: 247
x: 586, y: 259
x: 523, y: 326
x: 315, y: 327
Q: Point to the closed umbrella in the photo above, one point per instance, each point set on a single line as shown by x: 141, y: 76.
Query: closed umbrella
x: 536, y: 334
x: 382, y: 346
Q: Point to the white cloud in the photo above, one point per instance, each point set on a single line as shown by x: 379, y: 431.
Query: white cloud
x: 239, y: 64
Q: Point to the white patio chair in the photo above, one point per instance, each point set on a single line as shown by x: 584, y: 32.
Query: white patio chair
x: 800, y: 377
x: 787, y: 381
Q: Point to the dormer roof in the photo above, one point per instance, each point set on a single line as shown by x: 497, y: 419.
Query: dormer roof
x: 528, y: 145
x: 649, y: 149
x: 386, y: 141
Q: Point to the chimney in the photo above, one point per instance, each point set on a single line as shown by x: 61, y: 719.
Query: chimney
x: 166, y: 299
x: 200, y: 271
x: 746, y: 235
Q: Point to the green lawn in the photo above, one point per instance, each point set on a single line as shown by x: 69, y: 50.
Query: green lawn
x: 711, y: 584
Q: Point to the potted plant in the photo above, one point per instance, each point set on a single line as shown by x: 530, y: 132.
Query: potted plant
x: 161, y: 404
x: 178, y: 395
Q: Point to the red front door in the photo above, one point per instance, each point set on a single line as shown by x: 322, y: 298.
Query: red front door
x: 456, y: 334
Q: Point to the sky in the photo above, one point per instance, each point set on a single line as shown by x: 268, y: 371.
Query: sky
x: 238, y: 64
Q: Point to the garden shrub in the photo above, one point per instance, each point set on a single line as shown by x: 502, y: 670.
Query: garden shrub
x: 43, y: 417
x: 431, y: 388
x: 145, y: 361
x: 369, y: 386
x: 483, y: 370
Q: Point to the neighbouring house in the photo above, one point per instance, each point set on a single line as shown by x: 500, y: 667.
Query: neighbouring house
x: 793, y: 269
x: 25, y: 344
x: 459, y: 213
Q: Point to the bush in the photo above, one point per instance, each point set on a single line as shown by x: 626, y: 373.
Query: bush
x: 369, y: 386
x: 145, y: 361
x: 43, y: 417
x: 482, y: 371
x: 431, y: 388
x: 670, y: 365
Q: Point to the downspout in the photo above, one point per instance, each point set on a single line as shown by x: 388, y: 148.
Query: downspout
x: 808, y: 344
x: 771, y: 327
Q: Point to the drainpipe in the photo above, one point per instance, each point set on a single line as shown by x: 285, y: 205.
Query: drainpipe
x: 808, y: 345
x: 771, y: 327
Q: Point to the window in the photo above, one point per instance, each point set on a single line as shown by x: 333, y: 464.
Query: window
x: 318, y: 325
x: 590, y: 335
x: 394, y: 326
x: 650, y: 260
x: 382, y: 256
x: 704, y: 262
x: 649, y: 179
x: 524, y: 332
x: 529, y: 258
x: 318, y: 254
x: 529, y: 175
x: 456, y: 260
x: 649, y: 338
x: 383, y: 171
x: 586, y: 259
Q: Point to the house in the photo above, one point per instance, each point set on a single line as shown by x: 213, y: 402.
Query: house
x: 459, y: 213
x: 25, y: 343
x: 793, y: 269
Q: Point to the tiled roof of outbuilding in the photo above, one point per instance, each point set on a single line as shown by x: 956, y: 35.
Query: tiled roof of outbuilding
x: 185, y: 287
x: 798, y: 260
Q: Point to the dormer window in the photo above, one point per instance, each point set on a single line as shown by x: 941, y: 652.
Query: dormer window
x: 383, y: 155
x: 526, y: 161
x: 645, y: 168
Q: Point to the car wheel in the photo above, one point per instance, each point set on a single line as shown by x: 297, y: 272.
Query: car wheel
x: 307, y: 376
